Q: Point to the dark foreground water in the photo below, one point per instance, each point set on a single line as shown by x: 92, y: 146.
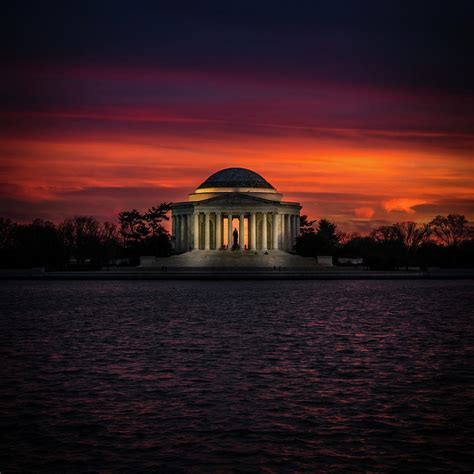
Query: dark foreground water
x: 237, y: 376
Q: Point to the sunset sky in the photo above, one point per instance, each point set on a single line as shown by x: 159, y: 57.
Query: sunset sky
x: 361, y: 111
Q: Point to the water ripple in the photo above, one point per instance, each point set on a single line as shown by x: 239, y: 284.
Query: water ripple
x: 237, y: 376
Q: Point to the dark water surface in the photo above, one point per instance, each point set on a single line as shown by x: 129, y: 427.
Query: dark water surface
x: 237, y: 376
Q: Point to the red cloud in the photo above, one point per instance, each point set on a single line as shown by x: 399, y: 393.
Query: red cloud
x: 364, y: 212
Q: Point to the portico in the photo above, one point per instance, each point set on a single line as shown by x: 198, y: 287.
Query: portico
x: 235, y: 209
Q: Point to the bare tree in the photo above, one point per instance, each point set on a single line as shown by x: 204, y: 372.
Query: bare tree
x: 6, y: 232
x: 411, y: 234
x: 452, y: 230
x: 346, y: 237
x: 385, y: 233
x: 108, y: 232
x: 82, y: 236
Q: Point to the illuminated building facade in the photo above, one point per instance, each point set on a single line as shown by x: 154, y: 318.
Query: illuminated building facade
x: 235, y: 209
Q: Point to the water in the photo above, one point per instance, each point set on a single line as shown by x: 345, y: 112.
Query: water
x: 237, y: 376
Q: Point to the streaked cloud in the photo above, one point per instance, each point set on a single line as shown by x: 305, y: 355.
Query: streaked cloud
x: 402, y: 205
x: 328, y: 104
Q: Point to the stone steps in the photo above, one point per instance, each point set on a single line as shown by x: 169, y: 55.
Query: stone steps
x: 231, y: 259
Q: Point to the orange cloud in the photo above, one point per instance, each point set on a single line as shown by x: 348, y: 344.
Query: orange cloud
x: 402, y: 205
x: 142, y: 145
x: 364, y: 212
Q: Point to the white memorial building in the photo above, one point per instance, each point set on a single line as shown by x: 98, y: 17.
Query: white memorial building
x: 235, y: 209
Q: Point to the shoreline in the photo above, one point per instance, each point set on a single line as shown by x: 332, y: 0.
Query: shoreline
x: 236, y: 274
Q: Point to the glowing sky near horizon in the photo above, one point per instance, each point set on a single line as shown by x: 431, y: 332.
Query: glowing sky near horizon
x: 360, y: 132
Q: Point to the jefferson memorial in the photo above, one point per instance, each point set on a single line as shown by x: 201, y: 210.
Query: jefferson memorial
x: 235, y: 209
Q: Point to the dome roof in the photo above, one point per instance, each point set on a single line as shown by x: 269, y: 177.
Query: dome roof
x: 235, y: 178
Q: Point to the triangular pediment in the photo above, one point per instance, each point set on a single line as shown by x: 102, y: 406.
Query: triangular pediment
x: 236, y: 199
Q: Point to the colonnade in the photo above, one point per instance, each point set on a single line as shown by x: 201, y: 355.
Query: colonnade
x: 181, y: 230
x: 205, y: 230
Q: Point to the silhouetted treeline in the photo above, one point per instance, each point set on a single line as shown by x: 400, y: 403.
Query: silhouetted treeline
x: 143, y: 234
x: 444, y: 242
x: 83, y: 242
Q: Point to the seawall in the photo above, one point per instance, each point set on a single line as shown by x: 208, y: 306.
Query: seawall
x: 237, y: 274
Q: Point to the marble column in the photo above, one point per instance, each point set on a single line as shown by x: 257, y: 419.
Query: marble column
x: 264, y: 232
x: 298, y: 229
x: 218, y: 230
x: 253, y: 231
x: 292, y: 231
x: 287, y: 232
x: 196, y: 230
x: 241, y: 231
x: 229, y: 231
x: 182, y: 232
x: 173, y: 230
x: 189, y: 233
x: 283, y: 232
x: 177, y: 236
x: 207, y: 231
x: 275, y: 218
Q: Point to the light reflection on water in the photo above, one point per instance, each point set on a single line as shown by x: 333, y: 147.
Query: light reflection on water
x: 296, y: 375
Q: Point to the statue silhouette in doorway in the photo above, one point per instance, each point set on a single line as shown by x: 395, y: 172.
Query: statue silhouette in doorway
x: 235, y: 245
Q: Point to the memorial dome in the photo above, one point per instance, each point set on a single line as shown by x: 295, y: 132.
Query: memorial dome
x: 236, y: 178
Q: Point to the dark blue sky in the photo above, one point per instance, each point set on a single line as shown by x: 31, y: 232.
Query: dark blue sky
x: 411, y: 44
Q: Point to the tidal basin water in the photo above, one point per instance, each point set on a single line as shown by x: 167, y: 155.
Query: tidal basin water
x: 288, y: 376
